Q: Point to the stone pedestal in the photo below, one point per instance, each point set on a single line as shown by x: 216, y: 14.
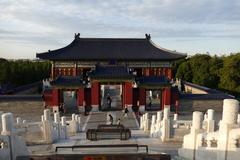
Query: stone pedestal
x: 190, y: 140
x: 165, y: 129
x: 210, y: 121
x: 47, y: 131
x: 198, y: 145
x: 228, y: 122
x: 153, y: 123
x: 146, y: 122
x: 56, y: 117
x: 63, y: 130
x: 74, y: 125
x: 50, y: 129
x: 175, y: 118
x: 159, y: 123
x: 7, y: 124
x: 47, y: 115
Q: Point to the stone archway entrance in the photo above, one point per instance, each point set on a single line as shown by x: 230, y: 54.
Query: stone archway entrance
x: 111, y: 97
x: 153, y: 99
x: 70, y: 100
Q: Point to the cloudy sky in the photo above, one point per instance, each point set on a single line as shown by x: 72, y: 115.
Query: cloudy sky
x: 188, y: 26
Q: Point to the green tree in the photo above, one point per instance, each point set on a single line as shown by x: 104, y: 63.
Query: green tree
x: 230, y: 74
x: 184, y: 71
x: 4, y: 71
x: 200, y: 68
x: 175, y: 66
x: 215, y: 64
x: 21, y: 72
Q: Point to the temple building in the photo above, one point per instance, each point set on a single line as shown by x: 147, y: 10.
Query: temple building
x: 111, y: 73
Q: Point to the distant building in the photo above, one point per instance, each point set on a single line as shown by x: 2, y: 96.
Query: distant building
x: 90, y: 68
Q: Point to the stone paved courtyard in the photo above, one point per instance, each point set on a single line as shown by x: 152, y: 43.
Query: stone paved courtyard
x: 32, y: 113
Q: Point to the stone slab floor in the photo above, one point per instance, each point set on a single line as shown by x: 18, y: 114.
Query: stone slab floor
x: 33, y: 112
x: 93, y: 120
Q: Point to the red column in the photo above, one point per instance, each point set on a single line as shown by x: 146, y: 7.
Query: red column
x: 167, y: 96
x: 151, y: 71
x: 158, y: 72
x: 166, y: 72
x: 53, y: 70
x: 163, y: 95
x: 169, y: 73
x: 128, y: 93
x: 75, y: 69
x: 74, y: 72
x: 146, y: 71
x: 142, y: 96
x: 161, y: 71
x: 80, y: 97
x: 55, y: 97
x: 95, y: 93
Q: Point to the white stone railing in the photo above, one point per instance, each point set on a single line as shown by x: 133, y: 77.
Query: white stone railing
x: 11, y: 145
x: 208, y: 144
x: 56, y: 130
x: 158, y: 126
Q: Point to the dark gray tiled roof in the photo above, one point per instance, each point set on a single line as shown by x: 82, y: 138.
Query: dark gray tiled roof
x: 111, y: 72
x: 112, y: 48
x: 206, y: 96
x: 68, y: 81
x: 152, y: 80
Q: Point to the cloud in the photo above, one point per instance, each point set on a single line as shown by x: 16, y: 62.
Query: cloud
x: 43, y: 22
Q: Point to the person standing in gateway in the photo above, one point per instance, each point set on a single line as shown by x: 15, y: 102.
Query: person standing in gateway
x: 109, y: 101
x: 125, y: 114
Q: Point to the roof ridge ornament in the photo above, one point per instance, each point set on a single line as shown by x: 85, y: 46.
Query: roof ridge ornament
x: 77, y: 35
x: 148, y: 36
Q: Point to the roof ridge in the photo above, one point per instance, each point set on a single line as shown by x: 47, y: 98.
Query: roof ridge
x: 111, y: 38
x: 167, y: 50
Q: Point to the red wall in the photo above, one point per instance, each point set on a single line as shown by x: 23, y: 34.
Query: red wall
x: 47, y: 97
x: 55, y: 97
x: 167, y: 96
x: 80, y: 96
x: 128, y: 93
x: 95, y: 93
